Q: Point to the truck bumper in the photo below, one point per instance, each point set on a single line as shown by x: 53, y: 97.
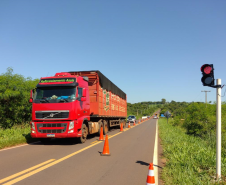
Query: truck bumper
x: 49, y: 130
x: 55, y: 135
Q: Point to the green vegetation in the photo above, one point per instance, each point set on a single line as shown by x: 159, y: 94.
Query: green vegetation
x: 16, y: 135
x: 190, y: 160
x: 143, y: 108
x: 189, y: 143
x: 15, y: 108
x: 198, y: 119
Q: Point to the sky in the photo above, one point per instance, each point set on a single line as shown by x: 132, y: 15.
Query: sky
x: 150, y: 49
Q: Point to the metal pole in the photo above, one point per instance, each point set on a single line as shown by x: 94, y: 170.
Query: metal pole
x: 206, y: 95
x: 218, y: 116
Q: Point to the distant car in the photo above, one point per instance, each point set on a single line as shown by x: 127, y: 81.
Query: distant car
x: 155, y: 117
x: 131, y: 119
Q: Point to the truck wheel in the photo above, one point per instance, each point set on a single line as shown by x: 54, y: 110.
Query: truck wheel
x: 124, y: 124
x: 83, y: 137
x: 105, y: 127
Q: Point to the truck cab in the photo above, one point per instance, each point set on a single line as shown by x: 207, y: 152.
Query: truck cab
x: 59, y: 106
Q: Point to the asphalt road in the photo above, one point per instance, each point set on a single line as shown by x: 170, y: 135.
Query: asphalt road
x: 67, y: 162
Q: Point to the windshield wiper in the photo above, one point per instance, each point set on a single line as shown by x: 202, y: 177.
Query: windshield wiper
x: 63, y: 100
x: 44, y: 100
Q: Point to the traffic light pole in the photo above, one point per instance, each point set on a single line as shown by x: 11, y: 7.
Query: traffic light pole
x: 218, y: 116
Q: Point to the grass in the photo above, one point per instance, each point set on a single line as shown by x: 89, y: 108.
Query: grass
x: 190, y: 160
x: 15, y: 136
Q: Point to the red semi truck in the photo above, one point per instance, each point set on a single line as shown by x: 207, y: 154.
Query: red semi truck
x: 75, y: 104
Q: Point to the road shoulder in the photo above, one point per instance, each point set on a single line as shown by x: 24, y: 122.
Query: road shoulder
x: 161, y: 161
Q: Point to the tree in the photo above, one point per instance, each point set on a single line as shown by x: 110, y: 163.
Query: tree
x: 163, y: 101
x: 14, y: 98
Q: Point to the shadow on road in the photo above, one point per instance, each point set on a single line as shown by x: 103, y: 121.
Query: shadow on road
x: 147, y: 164
x: 62, y: 141
x: 143, y: 163
x: 29, y: 139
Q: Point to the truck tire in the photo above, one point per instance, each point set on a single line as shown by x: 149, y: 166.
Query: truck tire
x: 105, y: 127
x: 83, y: 137
x: 124, y: 124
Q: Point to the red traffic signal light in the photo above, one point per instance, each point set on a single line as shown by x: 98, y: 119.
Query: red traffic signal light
x: 208, y: 75
x: 207, y: 68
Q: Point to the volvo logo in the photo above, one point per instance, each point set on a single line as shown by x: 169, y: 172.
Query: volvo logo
x: 52, y: 115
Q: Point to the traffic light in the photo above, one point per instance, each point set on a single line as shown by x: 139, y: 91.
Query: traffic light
x: 208, y: 75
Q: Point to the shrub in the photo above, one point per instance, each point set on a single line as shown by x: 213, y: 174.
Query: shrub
x: 14, y: 98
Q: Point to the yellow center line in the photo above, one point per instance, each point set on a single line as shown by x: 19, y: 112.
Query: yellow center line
x: 48, y: 165
x: 25, y: 171
x: 114, y: 135
x: 94, y: 142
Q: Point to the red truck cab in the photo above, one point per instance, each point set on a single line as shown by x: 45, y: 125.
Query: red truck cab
x: 60, y: 105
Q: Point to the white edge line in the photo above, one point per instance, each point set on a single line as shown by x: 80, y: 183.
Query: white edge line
x: 8, y: 148
x: 155, y: 160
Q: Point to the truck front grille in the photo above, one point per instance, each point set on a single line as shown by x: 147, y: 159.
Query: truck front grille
x: 52, y: 114
x: 52, y: 127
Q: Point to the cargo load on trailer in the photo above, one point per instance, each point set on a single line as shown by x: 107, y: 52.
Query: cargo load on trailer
x: 76, y: 104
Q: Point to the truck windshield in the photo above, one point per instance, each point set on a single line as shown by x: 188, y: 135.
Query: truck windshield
x: 54, y: 94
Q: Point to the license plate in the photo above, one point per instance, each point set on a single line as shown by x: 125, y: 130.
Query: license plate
x: 50, y: 135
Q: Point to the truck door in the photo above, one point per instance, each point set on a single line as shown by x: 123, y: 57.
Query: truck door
x: 83, y: 105
x: 79, y: 98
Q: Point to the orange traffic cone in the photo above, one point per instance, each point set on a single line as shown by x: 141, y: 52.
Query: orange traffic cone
x: 134, y: 123
x: 101, y: 138
x: 151, y: 176
x: 129, y: 125
x: 121, y: 128
x: 106, y: 147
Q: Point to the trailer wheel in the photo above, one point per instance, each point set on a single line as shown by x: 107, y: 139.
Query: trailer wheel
x: 83, y: 137
x: 105, y: 127
x: 124, y: 124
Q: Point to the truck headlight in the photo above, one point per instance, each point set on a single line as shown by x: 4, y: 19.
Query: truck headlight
x: 33, y: 125
x: 71, y: 125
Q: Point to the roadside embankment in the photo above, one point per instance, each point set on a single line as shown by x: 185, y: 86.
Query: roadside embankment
x: 189, y: 159
x: 15, y: 136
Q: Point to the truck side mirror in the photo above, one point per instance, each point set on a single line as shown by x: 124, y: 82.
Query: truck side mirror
x: 31, y: 96
x: 84, y: 92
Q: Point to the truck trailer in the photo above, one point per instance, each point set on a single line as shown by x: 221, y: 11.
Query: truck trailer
x: 75, y: 104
